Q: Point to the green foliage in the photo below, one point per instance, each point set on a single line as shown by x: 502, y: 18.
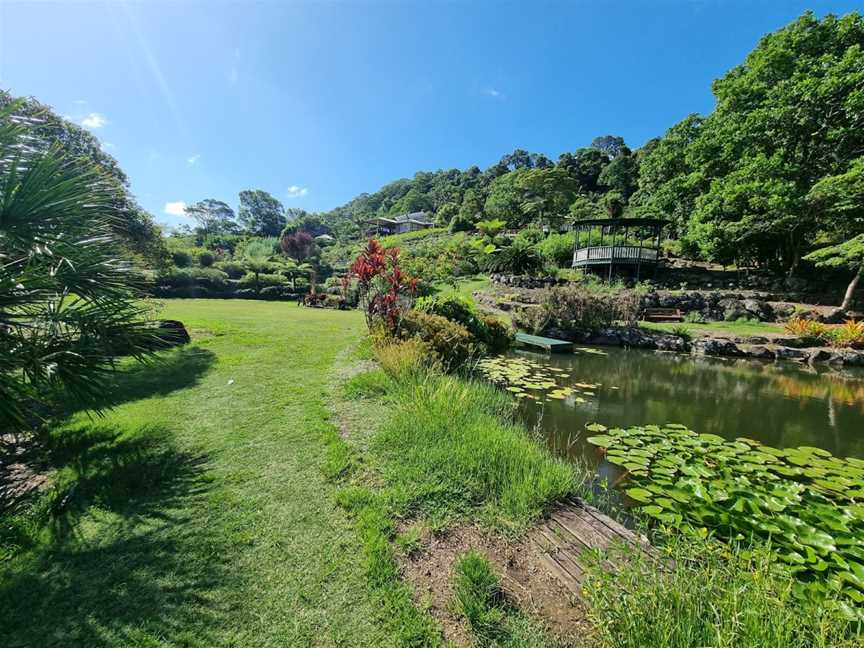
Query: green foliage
x: 261, y: 280
x: 557, y: 249
x: 516, y: 258
x: 69, y: 303
x: 214, y: 217
x: 479, y: 597
x: 206, y: 259
x: 450, y: 449
x: 704, y: 596
x: 208, y: 278
x: 739, y: 180
x: 529, y: 236
x: 450, y: 342
x: 582, y: 307
x: 460, y: 223
x: 233, y: 269
x: 181, y: 258
x: 261, y: 214
x: 493, y: 335
x: 807, y: 502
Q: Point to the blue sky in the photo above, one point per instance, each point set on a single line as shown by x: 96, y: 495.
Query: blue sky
x: 316, y: 102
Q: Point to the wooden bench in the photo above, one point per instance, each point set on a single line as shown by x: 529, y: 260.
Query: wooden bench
x: 663, y: 315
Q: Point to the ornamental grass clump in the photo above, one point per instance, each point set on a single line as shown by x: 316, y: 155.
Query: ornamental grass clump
x: 451, y: 447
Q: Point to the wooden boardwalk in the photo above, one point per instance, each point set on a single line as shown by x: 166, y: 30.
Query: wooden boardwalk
x: 547, y: 344
x: 575, y: 530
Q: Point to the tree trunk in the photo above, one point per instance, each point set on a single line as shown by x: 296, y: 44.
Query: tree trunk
x: 850, y: 289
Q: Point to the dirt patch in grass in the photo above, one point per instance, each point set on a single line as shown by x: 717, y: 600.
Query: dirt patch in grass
x: 527, y: 583
x: 21, y: 469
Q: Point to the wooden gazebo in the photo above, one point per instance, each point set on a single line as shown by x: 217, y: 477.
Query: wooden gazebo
x: 605, y: 245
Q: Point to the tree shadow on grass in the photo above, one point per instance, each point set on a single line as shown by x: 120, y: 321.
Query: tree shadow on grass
x: 167, y: 372
x: 125, y: 561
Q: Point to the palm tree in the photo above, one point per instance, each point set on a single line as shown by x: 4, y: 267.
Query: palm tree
x: 69, y: 303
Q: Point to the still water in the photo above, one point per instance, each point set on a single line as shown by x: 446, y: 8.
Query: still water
x: 779, y: 404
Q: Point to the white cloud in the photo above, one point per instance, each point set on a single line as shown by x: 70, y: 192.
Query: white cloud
x: 106, y: 146
x: 175, y: 208
x: 192, y: 160
x: 94, y: 120
x: 492, y: 92
x: 297, y: 192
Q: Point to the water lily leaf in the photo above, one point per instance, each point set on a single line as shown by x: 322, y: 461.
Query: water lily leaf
x: 639, y: 494
x: 595, y: 427
x: 601, y: 441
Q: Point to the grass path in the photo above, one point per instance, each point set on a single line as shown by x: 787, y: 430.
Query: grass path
x: 200, y: 515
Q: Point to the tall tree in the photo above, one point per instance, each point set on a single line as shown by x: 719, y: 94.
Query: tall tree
x: 547, y: 193
x: 261, y: 214
x: 585, y: 166
x: 622, y: 173
x: 790, y: 115
x: 609, y: 144
x: 841, y: 199
x: 214, y: 217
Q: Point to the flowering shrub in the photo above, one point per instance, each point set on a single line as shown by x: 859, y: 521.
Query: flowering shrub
x: 385, y: 291
x: 850, y: 334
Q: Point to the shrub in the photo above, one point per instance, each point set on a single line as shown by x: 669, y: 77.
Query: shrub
x: 450, y: 343
x: 206, y: 259
x: 263, y: 280
x: 529, y: 236
x: 694, y: 317
x: 848, y: 334
x: 479, y: 596
x: 209, y: 278
x: 581, y: 308
x: 181, y: 258
x: 557, y: 249
x: 402, y: 359
x: 516, y: 259
x: 385, y: 291
x: 233, y: 269
x: 808, y: 329
x: 461, y: 223
x: 456, y: 308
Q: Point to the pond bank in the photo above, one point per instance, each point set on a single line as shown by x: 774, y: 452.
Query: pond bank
x: 712, y: 343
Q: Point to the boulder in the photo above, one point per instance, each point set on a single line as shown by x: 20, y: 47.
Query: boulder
x: 716, y: 347
x: 760, y: 352
x: 758, y: 309
x: 848, y: 357
x: 732, y: 309
x: 169, y: 333
x: 819, y: 355
x: 788, y: 353
x: 672, y: 343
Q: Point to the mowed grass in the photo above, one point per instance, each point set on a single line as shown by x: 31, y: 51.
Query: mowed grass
x: 198, y: 513
x: 743, y: 327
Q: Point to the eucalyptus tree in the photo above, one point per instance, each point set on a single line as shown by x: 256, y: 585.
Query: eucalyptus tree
x: 69, y: 302
x: 261, y: 214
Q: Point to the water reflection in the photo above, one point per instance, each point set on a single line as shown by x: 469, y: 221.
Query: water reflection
x: 779, y: 404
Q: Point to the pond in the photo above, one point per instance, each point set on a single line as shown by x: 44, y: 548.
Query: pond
x: 779, y: 404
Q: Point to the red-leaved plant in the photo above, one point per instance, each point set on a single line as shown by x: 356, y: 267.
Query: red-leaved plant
x: 385, y: 290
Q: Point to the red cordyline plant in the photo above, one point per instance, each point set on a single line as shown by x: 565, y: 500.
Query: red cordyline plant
x: 385, y: 290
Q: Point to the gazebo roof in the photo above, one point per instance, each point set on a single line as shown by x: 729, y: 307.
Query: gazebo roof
x: 625, y: 222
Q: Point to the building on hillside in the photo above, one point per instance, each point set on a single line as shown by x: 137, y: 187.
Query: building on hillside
x: 412, y: 222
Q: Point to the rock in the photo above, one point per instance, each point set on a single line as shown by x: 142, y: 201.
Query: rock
x: 819, y: 355
x: 716, y: 347
x: 848, y: 357
x: 760, y: 352
x: 758, y: 309
x: 169, y: 333
x: 732, y: 309
x: 834, y: 316
x: 672, y: 343
x: 782, y: 310
x: 757, y: 339
x: 787, y: 353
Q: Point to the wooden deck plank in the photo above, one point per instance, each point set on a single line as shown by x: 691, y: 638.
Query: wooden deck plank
x: 548, y: 344
x: 576, y: 529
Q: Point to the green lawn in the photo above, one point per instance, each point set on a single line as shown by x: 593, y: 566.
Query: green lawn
x: 200, y: 515
x: 727, y: 328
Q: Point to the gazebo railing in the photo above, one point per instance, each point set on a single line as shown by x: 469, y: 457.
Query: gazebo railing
x: 633, y: 253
